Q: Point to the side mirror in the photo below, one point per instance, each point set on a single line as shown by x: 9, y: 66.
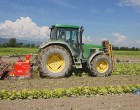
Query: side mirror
x: 80, y: 44
x: 82, y: 29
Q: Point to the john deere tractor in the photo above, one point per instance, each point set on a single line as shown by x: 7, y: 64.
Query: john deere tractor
x: 66, y: 49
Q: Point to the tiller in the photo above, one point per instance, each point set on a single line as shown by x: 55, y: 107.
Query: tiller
x: 21, y: 70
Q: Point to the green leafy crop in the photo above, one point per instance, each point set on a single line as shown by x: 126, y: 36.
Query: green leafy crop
x: 71, y: 92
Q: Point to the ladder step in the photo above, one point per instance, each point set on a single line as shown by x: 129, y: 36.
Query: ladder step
x: 78, y: 64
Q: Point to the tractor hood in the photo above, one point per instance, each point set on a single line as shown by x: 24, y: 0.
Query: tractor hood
x: 92, y: 46
x: 89, y: 49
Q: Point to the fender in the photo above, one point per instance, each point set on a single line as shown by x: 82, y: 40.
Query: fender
x: 65, y: 44
x: 92, y: 56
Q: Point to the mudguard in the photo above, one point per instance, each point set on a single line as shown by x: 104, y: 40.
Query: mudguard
x: 65, y: 44
x: 92, y: 56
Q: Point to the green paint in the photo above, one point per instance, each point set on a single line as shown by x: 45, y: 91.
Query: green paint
x: 88, y: 49
x: 58, y: 42
x: 65, y: 26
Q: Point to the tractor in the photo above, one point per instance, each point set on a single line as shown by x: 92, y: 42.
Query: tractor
x: 65, y: 50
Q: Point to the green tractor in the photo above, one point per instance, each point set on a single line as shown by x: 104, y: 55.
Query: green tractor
x: 66, y: 49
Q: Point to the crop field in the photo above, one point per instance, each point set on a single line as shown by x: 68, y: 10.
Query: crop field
x: 128, y: 53
x: 76, y: 92
x: 19, y: 51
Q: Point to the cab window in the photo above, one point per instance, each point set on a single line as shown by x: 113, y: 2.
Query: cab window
x: 68, y: 36
x: 74, y: 36
x: 61, y: 35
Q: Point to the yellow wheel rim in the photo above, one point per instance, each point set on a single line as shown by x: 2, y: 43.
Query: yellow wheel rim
x: 55, y: 63
x: 102, y: 66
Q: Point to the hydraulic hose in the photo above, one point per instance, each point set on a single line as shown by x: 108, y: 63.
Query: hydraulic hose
x: 36, y: 56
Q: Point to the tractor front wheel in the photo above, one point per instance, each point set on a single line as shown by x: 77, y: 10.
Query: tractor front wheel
x: 101, y: 65
x: 56, y: 61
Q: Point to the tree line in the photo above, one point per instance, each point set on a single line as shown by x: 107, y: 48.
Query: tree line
x: 13, y: 43
x: 126, y: 48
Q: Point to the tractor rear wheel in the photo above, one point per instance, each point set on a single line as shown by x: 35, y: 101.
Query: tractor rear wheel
x: 56, y: 61
x: 101, y: 66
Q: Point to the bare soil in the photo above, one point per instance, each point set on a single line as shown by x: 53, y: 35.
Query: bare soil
x: 127, y: 59
x: 108, y: 102
x: 39, y: 83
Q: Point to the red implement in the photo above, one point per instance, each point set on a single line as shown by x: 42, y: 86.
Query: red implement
x: 22, y: 69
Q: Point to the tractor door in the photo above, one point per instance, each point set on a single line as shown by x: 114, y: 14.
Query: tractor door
x: 70, y: 36
x: 73, y: 41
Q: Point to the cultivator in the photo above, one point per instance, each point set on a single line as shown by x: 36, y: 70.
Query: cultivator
x: 22, y: 69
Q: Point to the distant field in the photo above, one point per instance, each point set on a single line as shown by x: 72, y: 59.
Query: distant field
x: 19, y: 51
x: 23, y: 51
x: 127, y: 53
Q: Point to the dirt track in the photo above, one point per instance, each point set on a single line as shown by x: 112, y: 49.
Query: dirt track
x: 39, y: 83
x: 108, y: 102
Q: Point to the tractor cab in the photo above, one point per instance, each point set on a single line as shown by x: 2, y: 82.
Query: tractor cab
x: 66, y: 33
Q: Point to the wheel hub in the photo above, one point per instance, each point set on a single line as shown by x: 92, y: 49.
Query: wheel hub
x: 55, y: 63
x: 102, y: 66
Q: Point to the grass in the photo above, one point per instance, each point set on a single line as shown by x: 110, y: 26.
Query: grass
x: 126, y: 53
x: 19, y: 51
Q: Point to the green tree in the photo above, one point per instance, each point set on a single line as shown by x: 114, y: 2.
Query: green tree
x: 116, y: 48
x: 27, y: 45
x: 18, y: 45
x: 32, y: 45
x: 5, y: 45
x: 12, y: 42
x: 21, y: 44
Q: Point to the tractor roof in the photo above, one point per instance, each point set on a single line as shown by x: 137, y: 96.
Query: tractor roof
x: 65, y: 26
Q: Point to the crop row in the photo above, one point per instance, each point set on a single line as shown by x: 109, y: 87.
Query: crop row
x: 126, y: 69
x: 71, y: 92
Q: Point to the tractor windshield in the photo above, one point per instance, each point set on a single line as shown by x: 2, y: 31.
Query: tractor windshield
x: 67, y: 35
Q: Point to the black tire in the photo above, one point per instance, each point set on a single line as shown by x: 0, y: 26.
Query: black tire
x: 95, y: 64
x: 63, y: 53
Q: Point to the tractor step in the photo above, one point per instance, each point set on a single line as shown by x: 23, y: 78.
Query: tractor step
x: 78, y: 64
